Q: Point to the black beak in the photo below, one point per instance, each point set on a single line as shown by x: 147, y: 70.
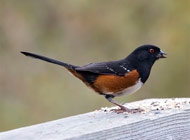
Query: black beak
x: 161, y: 54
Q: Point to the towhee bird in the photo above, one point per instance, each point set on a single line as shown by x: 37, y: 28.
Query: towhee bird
x: 115, y: 78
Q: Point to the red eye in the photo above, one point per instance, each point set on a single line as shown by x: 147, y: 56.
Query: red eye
x: 151, y: 50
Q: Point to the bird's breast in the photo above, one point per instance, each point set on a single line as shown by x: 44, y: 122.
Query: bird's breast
x: 117, y: 85
x: 131, y: 90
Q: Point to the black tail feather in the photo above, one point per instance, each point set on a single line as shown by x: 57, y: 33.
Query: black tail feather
x: 69, y: 66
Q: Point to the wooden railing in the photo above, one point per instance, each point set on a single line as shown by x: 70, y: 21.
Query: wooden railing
x: 162, y: 119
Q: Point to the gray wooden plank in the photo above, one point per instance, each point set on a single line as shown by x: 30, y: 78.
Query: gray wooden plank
x: 162, y: 119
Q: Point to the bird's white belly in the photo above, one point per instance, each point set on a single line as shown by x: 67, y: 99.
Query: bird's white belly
x: 132, y: 89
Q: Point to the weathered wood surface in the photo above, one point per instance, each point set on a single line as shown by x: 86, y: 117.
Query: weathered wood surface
x: 163, y: 119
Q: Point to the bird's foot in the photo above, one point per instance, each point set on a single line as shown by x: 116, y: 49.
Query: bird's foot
x: 125, y: 109
x: 136, y: 110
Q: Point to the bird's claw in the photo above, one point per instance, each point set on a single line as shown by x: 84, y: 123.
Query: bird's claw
x: 124, y: 109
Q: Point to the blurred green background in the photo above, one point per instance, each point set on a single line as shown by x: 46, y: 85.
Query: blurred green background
x: 79, y: 32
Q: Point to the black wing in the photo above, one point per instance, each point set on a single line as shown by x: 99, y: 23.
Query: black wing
x: 119, y: 68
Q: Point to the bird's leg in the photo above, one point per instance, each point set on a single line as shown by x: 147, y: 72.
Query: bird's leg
x: 122, y: 108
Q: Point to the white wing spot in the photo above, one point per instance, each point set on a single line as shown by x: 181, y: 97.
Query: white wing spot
x: 124, y: 68
x: 110, y: 69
